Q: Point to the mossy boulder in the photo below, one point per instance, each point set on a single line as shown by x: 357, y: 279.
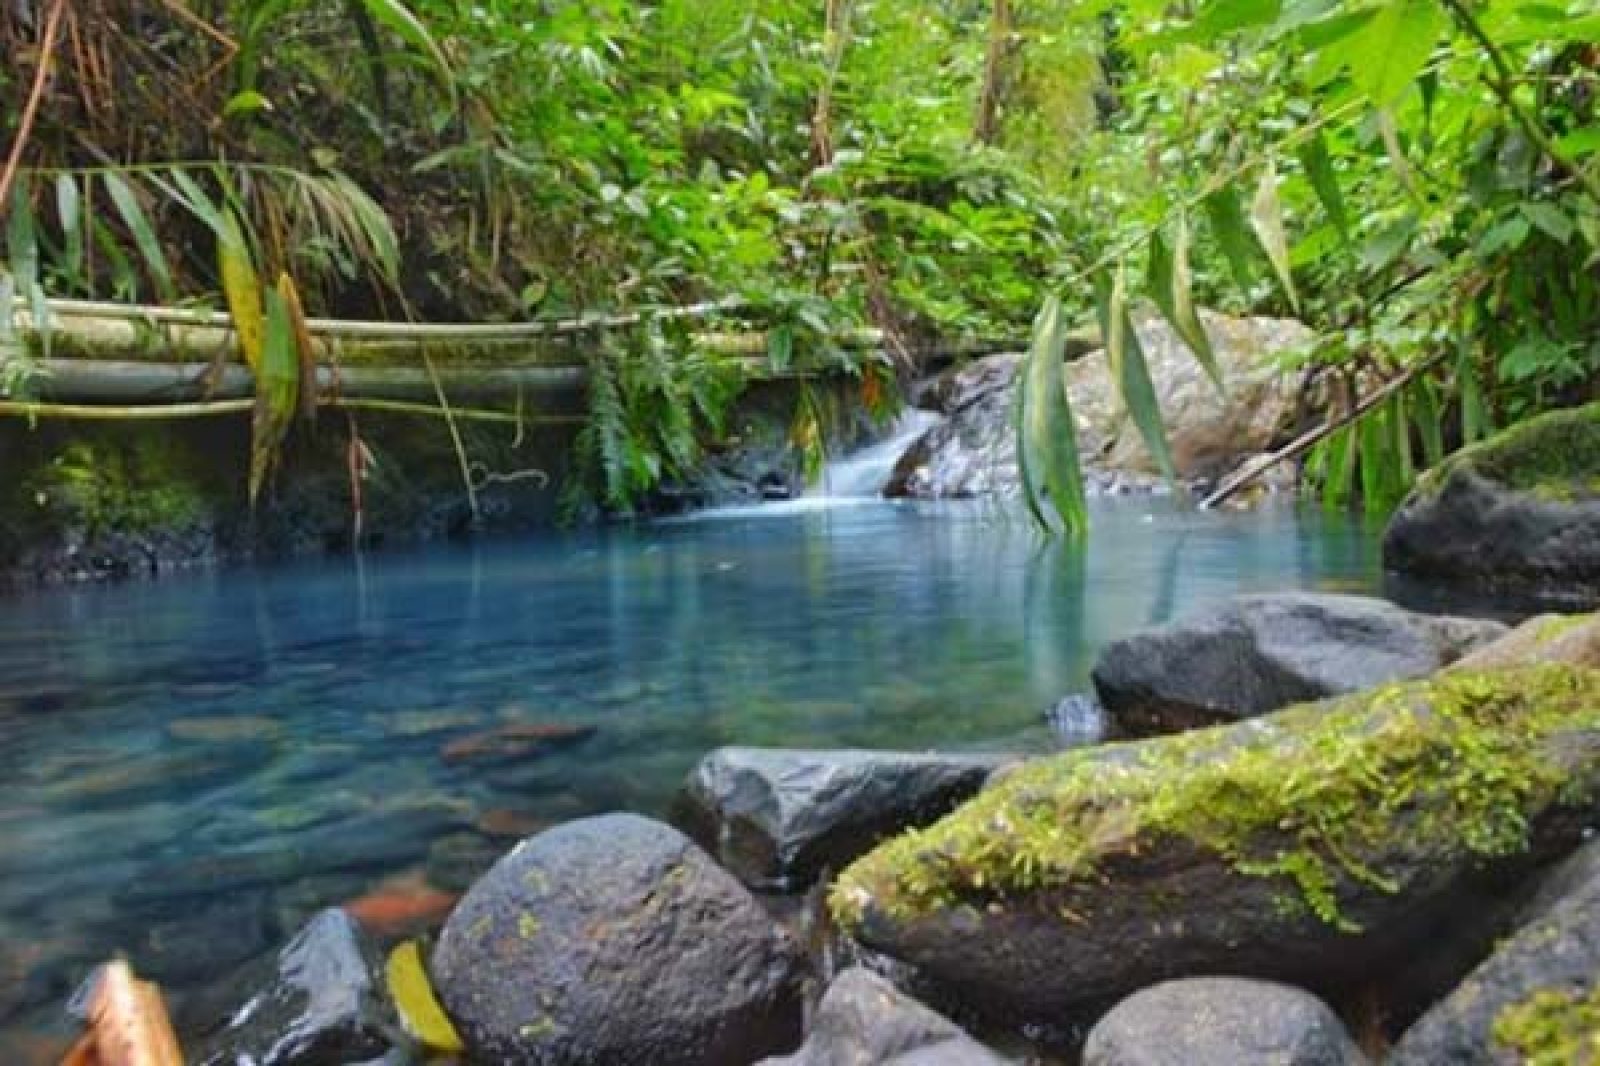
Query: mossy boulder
x: 1548, y: 638
x: 1536, y: 999
x: 615, y: 940
x: 1307, y: 846
x: 1518, y: 513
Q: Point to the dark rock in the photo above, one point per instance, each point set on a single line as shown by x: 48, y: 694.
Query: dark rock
x: 1256, y: 654
x: 614, y: 939
x: 1550, y: 966
x: 1518, y: 513
x: 1221, y: 1021
x: 1316, y: 845
x: 321, y: 1004
x: 777, y: 817
x: 863, y: 1020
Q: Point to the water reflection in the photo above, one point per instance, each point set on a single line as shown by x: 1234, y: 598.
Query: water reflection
x: 194, y: 766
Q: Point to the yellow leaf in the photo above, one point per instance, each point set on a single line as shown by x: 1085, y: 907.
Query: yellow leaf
x: 419, y: 1009
x: 242, y: 288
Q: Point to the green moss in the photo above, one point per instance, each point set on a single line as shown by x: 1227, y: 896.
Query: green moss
x: 1552, y: 1027
x: 1555, y: 456
x: 1303, y: 797
x: 136, y: 484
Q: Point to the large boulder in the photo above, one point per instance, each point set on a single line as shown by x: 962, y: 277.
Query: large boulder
x: 615, y: 939
x: 320, y: 1004
x: 973, y: 453
x: 777, y: 817
x: 1518, y: 514
x: 1221, y: 1021
x: 1256, y: 654
x: 1539, y: 991
x: 863, y: 1020
x: 1309, y: 846
x: 1549, y: 638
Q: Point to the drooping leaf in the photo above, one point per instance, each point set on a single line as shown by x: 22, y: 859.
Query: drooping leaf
x: 1131, y: 372
x: 1400, y: 425
x: 1228, y: 229
x: 397, y: 17
x: 1396, y: 152
x: 415, y: 1002
x: 1048, y: 449
x: 1170, y: 282
x: 1313, y: 155
x: 22, y: 250
x: 1339, y: 468
x: 69, y: 212
x: 305, y: 350
x: 277, y: 390
x: 1393, y: 48
x: 241, y: 287
x: 1429, y: 421
x: 144, y: 236
x: 1475, y: 424
x: 1266, y: 218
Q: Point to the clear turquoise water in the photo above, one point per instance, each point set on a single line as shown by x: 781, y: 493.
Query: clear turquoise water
x: 192, y: 767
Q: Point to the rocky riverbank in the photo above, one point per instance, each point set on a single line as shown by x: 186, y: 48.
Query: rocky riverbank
x: 1397, y: 868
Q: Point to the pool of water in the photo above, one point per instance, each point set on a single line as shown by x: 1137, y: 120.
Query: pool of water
x: 192, y: 767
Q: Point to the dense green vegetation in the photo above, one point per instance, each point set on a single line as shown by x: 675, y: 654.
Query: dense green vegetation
x: 1414, y: 178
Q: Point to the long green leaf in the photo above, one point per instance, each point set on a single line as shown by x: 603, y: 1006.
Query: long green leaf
x: 399, y: 18
x: 1475, y: 423
x: 1266, y: 218
x: 69, y: 212
x: 1314, y: 157
x: 1048, y: 449
x: 1339, y: 466
x: 1228, y: 229
x: 144, y: 236
x: 277, y: 391
x: 1131, y: 372
x: 1430, y: 424
x: 1393, y: 48
x: 22, y: 250
x: 1171, y: 285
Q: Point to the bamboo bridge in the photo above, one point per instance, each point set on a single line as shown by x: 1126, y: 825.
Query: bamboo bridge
x: 95, y: 360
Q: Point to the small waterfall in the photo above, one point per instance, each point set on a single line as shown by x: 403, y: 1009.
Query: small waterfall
x: 865, y: 472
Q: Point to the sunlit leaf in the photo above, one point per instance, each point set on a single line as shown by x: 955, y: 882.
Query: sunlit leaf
x: 1170, y: 282
x: 1048, y: 448
x: 305, y: 349
x: 277, y: 391
x: 1266, y: 218
x: 69, y: 212
x: 399, y: 18
x: 1394, y: 47
x: 414, y: 1000
x: 241, y: 286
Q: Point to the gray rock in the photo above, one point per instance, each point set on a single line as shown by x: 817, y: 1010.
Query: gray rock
x: 1256, y: 654
x: 321, y: 1004
x: 777, y: 817
x: 863, y: 1020
x: 974, y: 452
x: 616, y: 940
x: 1518, y: 514
x: 1556, y: 953
x: 1078, y: 720
x: 1221, y: 1021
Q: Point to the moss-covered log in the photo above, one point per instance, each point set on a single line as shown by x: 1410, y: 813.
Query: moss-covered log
x: 1308, y: 845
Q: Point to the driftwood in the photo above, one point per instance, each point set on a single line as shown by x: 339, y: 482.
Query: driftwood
x: 1309, y: 439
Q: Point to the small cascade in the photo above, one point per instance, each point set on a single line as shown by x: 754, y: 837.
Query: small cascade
x: 865, y: 472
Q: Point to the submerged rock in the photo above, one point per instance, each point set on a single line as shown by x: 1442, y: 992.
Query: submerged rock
x: 1309, y: 846
x: 520, y: 740
x: 973, y: 453
x: 1221, y: 1021
x: 614, y: 939
x: 863, y: 1020
x: 1518, y: 513
x: 780, y: 816
x: 1256, y: 654
x: 1517, y: 1005
x: 321, y: 1004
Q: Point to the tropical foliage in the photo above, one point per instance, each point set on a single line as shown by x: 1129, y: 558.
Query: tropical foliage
x: 1414, y: 178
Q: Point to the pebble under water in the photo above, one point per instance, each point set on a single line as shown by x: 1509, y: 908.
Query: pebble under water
x: 193, y: 767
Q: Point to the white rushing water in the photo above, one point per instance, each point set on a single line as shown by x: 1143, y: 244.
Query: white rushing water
x: 865, y: 472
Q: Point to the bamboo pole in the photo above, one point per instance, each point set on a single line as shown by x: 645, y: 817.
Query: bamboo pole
x: 215, y: 408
